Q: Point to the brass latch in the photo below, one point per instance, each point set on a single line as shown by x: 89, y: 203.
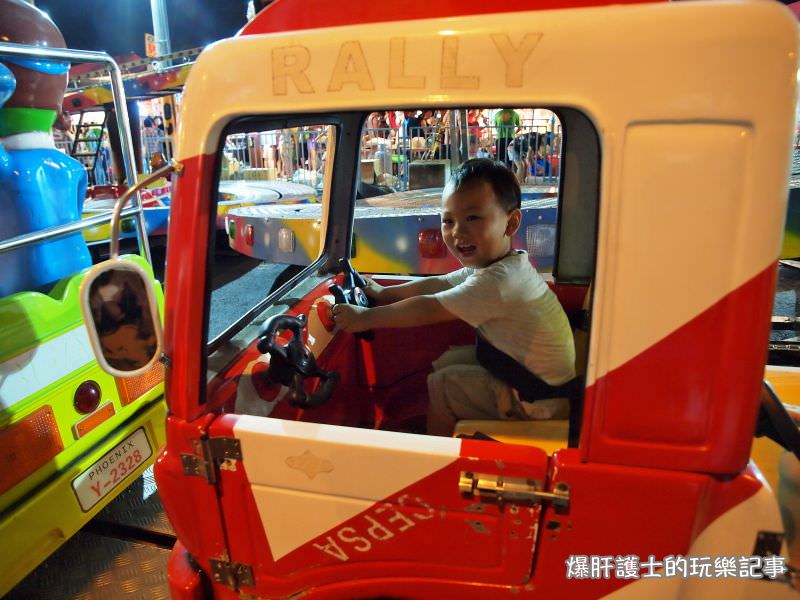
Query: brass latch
x: 509, y: 489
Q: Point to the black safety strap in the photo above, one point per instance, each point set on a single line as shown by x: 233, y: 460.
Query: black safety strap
x: 529, y: 386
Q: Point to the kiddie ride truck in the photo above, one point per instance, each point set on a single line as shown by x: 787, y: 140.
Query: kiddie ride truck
x: 296, y: 462
x: 71, y: 436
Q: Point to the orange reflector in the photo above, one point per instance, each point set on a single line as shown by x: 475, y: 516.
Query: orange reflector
x: 27, y: 445
x: 131, y: 388
x: 85, y: 425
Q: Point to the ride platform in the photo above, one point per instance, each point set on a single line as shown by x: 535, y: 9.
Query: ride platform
x: 121, y: 553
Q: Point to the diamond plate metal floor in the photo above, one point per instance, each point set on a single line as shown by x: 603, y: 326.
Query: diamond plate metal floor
x: 121, y: 554
x: 139, y: 507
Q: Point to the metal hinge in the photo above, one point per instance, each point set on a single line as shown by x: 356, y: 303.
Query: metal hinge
x: 511, y: 489
x: 232, y: 574
x: 768, y: 543
x: 785, y: 323
x: 789, y: 345
x: 208, y: 454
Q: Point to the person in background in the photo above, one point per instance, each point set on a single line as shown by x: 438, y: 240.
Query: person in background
x: 373, y: 125
x: 411, y: 125
x: 390, y: 118
x: 399, y: 117
x: 539, y: 159
x: 383, y: 121
x: 444, y: 135
x: 507, y: 124
x: 302, y: 140
x: 158, y: 123
x: 102, y: 167
x: 63, y: 127
x: 161, y: 133
x: 473, y: 131
x: 149, y: 139
x: 519, y: 154
x: 409, y: 129
x: 428, y: 130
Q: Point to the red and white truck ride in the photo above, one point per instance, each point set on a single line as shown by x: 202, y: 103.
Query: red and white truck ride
x: 295, y: 462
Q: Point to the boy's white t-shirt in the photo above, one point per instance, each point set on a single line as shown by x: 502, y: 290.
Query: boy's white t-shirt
x: 510, y: 304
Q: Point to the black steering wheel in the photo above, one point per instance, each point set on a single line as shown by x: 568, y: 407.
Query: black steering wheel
x: 292, y: 363
x: 776, y: 423
x: 352, y: 292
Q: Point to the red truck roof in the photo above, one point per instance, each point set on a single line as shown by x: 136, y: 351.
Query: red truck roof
x: 281, y: 16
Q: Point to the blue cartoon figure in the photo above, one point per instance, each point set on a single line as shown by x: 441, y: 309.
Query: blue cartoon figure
x: 40, y: 187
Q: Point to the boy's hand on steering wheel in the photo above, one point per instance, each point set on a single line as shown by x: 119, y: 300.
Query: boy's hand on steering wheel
x: 350, y: 318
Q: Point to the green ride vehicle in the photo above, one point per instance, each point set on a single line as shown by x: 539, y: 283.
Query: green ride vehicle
x: 72, y: 437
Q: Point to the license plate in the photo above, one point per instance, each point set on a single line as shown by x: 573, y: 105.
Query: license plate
x: 114, y: 468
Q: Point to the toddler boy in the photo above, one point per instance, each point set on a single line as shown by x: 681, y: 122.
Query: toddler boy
x: 525, y: 348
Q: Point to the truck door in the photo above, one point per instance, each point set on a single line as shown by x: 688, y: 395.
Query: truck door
x: 309, y: 505
x: 317, y: 504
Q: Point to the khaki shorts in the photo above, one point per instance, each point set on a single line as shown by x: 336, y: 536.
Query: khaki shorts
x: 460, y: 388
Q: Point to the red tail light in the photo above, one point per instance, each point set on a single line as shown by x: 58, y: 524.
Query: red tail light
x: 87, y: 397
x: 431, y: 244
